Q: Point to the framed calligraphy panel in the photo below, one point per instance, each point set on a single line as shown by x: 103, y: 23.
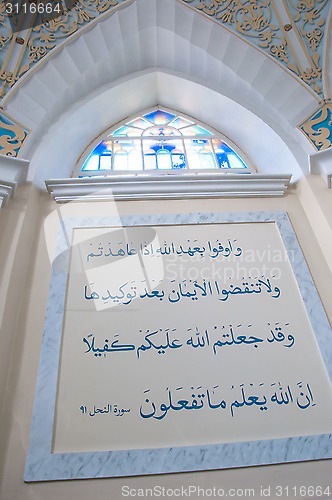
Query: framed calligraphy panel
x: 183, y: 343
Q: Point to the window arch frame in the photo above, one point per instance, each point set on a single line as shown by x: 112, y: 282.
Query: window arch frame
x: 107, y: 134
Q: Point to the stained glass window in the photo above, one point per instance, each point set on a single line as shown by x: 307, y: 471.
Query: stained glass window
x: 161, y: 140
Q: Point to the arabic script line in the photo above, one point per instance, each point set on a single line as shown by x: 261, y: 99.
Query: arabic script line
x: 186, y: 289
x: 216, y: 340
x: 300, y: 396
x: 213, y: 250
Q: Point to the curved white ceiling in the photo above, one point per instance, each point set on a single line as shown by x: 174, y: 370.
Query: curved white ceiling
x: 184, y: 61
x: 69, y: 135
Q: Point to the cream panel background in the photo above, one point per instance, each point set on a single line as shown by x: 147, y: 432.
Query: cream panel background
x: 124, y: 294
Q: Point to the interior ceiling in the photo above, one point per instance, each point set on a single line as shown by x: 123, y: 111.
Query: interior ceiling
x: 292, y: 32
x: 235, y: 48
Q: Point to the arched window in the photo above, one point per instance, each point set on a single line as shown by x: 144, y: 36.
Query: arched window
x: 159, y: 140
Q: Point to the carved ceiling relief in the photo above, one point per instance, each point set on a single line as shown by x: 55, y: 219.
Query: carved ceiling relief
x: 6, y: 33
x: 12, y: 136
x: 44, y: 34
x: 310, y: 18
x: 47, y: 34
x: 256, y: 21
x: 318, y: 127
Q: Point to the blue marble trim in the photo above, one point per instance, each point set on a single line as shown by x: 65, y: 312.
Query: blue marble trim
x: 43, y: 465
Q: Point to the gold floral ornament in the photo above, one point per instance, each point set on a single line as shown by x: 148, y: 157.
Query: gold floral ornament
x: 12, y: 136
x: 314, y: 38
x: 309, y: 17
x: 48, y: 33
x: 6, y: 33
x: 255, y: 21
x: 318, y: 128
x: 311, y: 76
x: 8, y: 78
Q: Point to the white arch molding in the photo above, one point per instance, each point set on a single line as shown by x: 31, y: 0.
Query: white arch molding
x: 151, y: 53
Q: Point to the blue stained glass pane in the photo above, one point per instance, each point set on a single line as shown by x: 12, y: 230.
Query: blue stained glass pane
x: 235, y: 161
x: 180, y: 122
x: 175, y: 147
x: 135, y: 157
x: 178, y: 159
x: 159, y: 117
x: 127, y: 132
x: 196, y: 144
x: 164, y: 161
x: 206, y: 158
x: 102, y: 148
x: 160, y: 134
x: 139, y: 123
x: 150, y: 159
x: 126, y: 153
x: 122, y: 131
x: 221, y: 150
x: 120, y: 160
x: 226, y: 157
x: 161, y: 131
x: 193, y: 159
x: 200, y: 154
x: 222, y: 160
x: 92, y: 163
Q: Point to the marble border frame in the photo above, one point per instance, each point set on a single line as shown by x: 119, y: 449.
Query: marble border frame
x: 42, y: 465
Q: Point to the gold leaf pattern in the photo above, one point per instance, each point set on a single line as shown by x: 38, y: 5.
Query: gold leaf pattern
x: 255, y: 21
x: 8, y: 78
x: 318, y: 128
x: 6, y: 33
x: 252, y: 19
x: 48, y: 33
x: 12, y: 136
x: 309, y: 16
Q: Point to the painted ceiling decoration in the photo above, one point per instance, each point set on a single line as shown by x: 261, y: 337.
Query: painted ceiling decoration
x: 259, y: 22
x: 12, y: 135
x: 291, y: 32
x: 318, y: 127
x: 42, y: 35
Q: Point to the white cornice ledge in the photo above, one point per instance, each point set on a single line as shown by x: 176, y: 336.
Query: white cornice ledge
x: 144, y: 186
x: 321, y: 164
x: 6, y: 192
x: 13, y: 172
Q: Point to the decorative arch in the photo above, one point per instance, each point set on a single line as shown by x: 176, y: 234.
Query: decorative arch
x: 160, y: 139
